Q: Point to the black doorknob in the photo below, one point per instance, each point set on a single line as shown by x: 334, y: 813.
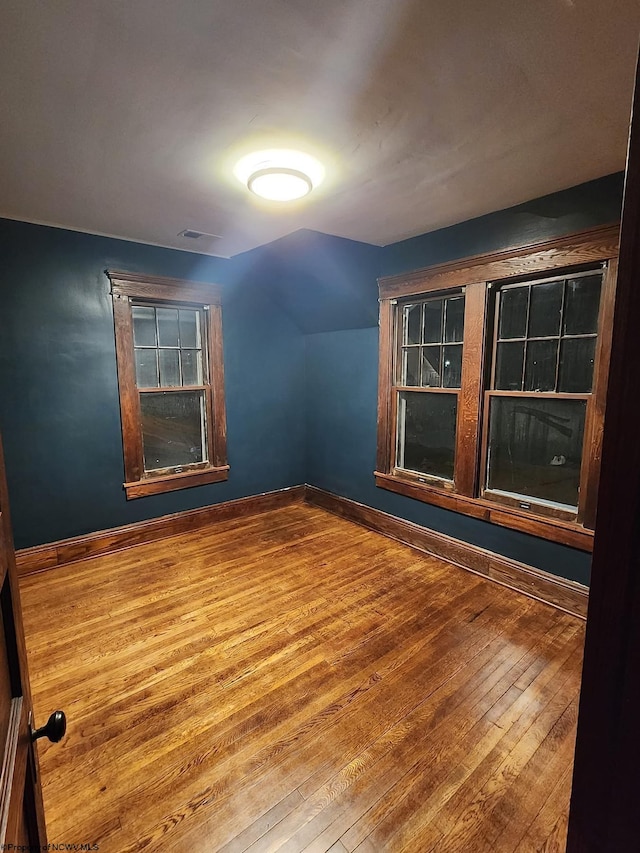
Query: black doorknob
x: 55, y: 728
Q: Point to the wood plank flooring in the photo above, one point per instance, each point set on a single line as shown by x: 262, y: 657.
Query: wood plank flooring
x: 294, y: 682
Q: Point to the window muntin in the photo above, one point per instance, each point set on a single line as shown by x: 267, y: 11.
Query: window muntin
x: 546, y: 335
x: 168, y: 345
x: 431, y: 343
x: 429, y: 359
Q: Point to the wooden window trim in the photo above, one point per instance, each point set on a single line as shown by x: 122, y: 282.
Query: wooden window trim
x: 476, y: 275
x: 126, y: 287
x: 164, y: 289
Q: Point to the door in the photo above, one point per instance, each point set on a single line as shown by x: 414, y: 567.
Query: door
x: 21, y: 811
x: 606, y: 777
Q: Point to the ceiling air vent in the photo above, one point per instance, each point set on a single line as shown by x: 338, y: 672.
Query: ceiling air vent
x: 195, y: 235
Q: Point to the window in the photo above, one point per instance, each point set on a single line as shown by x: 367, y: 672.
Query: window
x: 170, y: 376
x: 492, y: 384
x: 544, y: 351
x: 430, y: 366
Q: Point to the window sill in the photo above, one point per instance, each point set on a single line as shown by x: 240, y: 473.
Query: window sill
x: 173, y: 482
x: 555, y: 530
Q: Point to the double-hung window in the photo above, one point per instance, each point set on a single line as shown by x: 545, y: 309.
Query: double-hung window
x: 542, y: 380
x: 170, y: 376
x: 492, y: 384
x: 428, y: 385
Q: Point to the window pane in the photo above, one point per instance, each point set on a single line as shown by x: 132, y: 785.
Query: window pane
x: 454, y: 319
x: 545, y: 309
x: 582, y: 304
x: 509, y: 358
x: 452, y: 366
x: 169, y: 367
x: 173, y: 431
x: 431, y: 366
x: 577, y: 356
x: 167, y: 327
x: 411, y: 366
x: 535, y: 448
x: 513, y: 312
x: 427, y: 433
x: 433, y: 321
x: 144, y: 326
x: 189, y: 329
x: 540, y: 372
x: 191, y: 367
x: 411, y: 324
x: 146, y: 368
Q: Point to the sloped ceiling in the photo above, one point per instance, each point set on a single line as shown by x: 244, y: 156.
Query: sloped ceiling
x: 124, y: 117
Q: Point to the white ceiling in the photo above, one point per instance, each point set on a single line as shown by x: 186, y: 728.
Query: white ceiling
x: 124, y: 117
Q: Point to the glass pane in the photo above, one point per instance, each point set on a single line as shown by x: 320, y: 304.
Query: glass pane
x: 454, y: 319
x: 509, y: 359
x: 452, y: 366
x: 191, y: 367
x: 167, y: 327
x: 411, y: 324
x: 577, y: 356
x: 189, y: 329
x: 169, y: 367
x: 411, y: 366
x: 540, y: 372
x: 144, y: 326
x: 431, y: 367
x: 545, y: 309
x: 581, y: 305
x: 433, y: 321
x: 513, y: 312
x: 427, y: 433
x: 173, y: 432
x: 535, y: 448
x: 146, y: 368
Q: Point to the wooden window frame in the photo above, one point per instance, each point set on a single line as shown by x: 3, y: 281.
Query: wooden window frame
x: 476, y: 276
x: 451, y: 391
x: 128, y: 287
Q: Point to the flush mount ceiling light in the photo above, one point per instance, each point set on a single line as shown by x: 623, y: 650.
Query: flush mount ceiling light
x: 279, y: 174
x: 278, y: 184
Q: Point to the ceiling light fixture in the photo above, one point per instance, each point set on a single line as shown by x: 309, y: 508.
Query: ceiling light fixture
x: 280, y: 184
x: 279, y: 174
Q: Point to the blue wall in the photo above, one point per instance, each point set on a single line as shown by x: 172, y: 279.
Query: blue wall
x: 342, y: 369
x: 597, y: 202
x: 59, y: 409
x: 325, y: 283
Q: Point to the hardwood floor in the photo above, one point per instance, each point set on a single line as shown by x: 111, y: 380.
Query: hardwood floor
x: 294, y: 682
